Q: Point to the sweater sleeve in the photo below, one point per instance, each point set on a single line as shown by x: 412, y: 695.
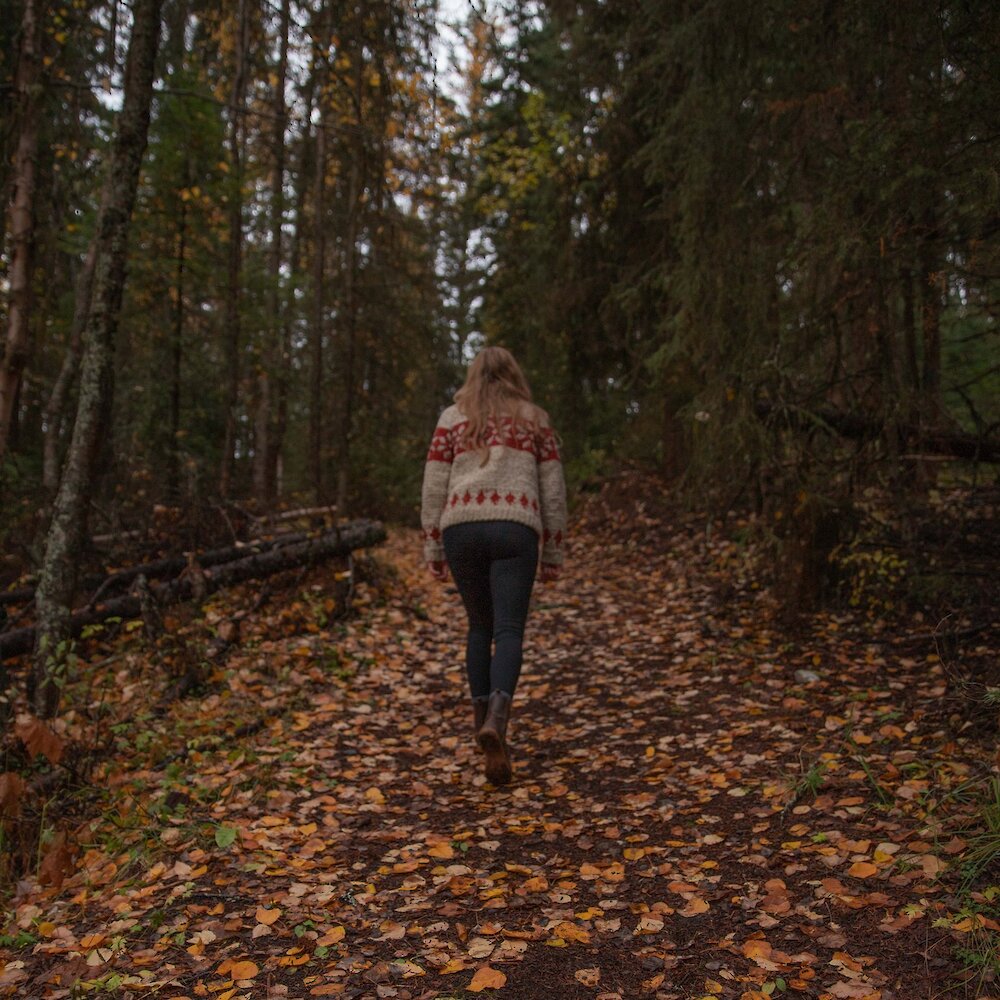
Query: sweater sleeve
x: 552, y: 494
x: 437, y: 473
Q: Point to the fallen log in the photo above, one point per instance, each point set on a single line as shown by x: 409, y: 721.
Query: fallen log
x: 171, y: 565
x: 862, y: 427
x: 265, y: 523
x: 20, y: 595
x: 168, y: 566
x: 336, y: 542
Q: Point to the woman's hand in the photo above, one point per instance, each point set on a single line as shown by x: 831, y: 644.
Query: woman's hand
x: 438, y: 568
x: 550, y: 572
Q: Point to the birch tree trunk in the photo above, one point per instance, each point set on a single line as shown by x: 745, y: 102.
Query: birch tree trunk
x: 21, y: 224
x: 69, y: 519
x: 55, y: 408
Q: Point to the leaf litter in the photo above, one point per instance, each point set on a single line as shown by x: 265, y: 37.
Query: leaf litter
x: 688, y: 819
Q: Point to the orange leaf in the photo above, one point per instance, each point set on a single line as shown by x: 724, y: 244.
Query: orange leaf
x: 38, y: 738
x: 693, y: 908
x: 487, y: 978
x: 89, y: 941
x: 242, y: 970
x: 265, y: 916
x: 537, y: 884
x: 589, y: 977
x: 332, y: 936
x: 57, y: 863
x: 11, y: 790
x: 862, y: 869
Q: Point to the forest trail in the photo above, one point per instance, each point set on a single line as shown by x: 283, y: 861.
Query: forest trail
x: 687, y: 819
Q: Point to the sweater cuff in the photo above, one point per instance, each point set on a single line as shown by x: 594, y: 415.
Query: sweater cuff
x: 433, y: 551
x: 552, y: 556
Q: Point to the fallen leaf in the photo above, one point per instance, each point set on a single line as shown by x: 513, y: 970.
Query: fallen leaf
x: 39, y: 738
x: 487, y: 978
x: 266, y: 916
x: 862, y: 869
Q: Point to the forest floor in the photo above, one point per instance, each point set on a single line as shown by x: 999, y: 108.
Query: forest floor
x: 706, y: 803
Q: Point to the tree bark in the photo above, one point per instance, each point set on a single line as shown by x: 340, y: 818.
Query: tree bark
x: 21, y: 224
x: 319, y: 284
x: 69, y: 520
x: 177, y: 353
x: 264, y: 467
x: 350, y: 312
x: 930, y: 309
x: 911, y: 368
x: 295, y: 266
x: 55, y: 409
x: 235, y: 257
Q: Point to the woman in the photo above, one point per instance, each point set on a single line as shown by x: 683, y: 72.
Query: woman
x: 493, y: 501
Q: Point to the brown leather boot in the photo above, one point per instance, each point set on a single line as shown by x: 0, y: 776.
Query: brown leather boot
x: 479, y: 708
x: 493, y: 738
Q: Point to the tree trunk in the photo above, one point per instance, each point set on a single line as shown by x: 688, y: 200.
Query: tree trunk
x: 282, y: 384
x: 911, y: 367
x: 235, y: 257
x: 319, y: 285
x: 21, y: 224
x: 177, y: 354
x: 55, y: 409
x: 930, y: 305
x: 264, y: 467
x: 69, y: 520
x: 350, y: 316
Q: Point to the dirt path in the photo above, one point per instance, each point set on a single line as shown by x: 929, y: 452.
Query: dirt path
x: 687, y: 820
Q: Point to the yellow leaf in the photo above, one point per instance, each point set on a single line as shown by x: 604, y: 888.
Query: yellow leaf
x: 487, y: 978
x: 570, y: 932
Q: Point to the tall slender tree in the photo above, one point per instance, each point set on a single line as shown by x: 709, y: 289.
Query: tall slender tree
x: 21, y: 218
x: 69, y: 520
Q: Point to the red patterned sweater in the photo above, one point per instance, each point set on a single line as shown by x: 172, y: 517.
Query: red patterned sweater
x: 521, y: 481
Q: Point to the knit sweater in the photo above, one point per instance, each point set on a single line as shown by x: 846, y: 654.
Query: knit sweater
x: 521, y: 481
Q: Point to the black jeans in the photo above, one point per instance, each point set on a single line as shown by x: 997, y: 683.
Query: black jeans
x: 493, y: 563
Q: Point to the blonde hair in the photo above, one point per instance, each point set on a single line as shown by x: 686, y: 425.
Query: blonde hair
x: 495, y: 387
